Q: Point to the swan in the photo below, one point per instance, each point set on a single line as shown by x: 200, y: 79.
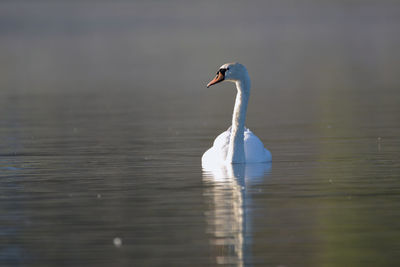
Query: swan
x: 237, y: 144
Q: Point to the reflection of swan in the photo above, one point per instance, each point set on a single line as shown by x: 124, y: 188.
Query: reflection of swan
x: 228, y: 220
x: 238, y: 144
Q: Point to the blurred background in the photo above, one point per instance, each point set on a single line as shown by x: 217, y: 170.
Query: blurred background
x: 104, y: 116
x: 56, y: 46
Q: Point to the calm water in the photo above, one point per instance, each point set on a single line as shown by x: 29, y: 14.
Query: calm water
x: 102, y: 132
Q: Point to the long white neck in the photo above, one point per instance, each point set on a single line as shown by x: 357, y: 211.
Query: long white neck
x: 236, y: 143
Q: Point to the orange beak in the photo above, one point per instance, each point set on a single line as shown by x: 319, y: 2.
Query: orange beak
x: 219, y: 78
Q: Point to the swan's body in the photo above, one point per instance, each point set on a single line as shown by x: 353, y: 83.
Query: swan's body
x: 254, y: 151
x: 238, y: 144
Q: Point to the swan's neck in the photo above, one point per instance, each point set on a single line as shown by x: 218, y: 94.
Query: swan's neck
x: 236, y: 143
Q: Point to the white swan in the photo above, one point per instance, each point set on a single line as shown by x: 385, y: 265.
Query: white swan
x: 238, y: 144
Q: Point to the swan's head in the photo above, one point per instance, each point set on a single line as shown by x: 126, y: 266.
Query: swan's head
x: 232, y: 72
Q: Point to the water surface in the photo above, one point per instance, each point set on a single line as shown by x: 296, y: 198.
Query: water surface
x: 105, y: 116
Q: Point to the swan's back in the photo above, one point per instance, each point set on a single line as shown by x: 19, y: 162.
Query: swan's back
x: 254, y: 149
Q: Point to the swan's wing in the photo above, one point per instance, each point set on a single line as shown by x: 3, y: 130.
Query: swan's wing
x: 217, y: 153
x: 254, y: 148
x: 222, y: 140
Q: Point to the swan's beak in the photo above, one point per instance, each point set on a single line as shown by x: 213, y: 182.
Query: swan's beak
x: 219, y: 78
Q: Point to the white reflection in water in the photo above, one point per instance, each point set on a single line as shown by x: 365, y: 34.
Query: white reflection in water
x: 229, y: 215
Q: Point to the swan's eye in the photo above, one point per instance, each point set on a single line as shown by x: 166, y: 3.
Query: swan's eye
x: 228, y: 68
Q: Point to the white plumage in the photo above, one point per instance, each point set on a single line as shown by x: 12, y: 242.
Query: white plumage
x: 238, y: 144
x: 254, y: 150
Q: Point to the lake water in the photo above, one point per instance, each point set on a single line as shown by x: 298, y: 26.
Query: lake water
x: 104, y: 117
